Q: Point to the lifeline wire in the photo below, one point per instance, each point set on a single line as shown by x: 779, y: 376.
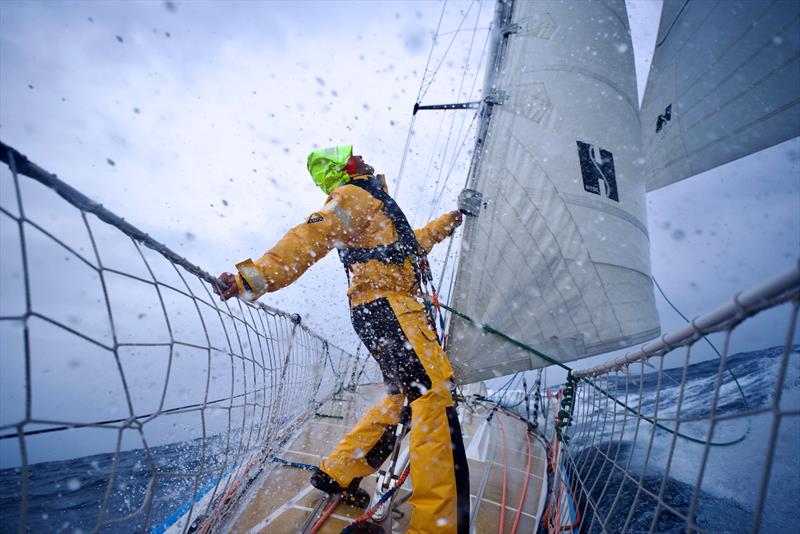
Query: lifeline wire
x: 553, y: 361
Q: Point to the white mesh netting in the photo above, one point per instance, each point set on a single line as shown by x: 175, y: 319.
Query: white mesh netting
x: 131, y: 397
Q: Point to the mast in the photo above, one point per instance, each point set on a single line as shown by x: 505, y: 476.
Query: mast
x: 559, y: 257
x: 490, y: 96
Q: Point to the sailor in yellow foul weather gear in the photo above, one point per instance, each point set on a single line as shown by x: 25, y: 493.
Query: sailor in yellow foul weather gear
x: 362, y: 222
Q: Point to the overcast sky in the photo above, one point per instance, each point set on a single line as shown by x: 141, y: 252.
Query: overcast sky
x: 193, y: 121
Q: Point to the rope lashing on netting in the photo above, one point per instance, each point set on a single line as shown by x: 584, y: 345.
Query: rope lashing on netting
x: 563, y: 418
x: 350, y: 529
x: 489, y: 329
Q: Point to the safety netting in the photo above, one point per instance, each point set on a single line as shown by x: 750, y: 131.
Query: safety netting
x: 674, y: 438
x: 131, y: 397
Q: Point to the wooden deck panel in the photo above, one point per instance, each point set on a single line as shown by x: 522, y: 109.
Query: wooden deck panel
x: 284, y: 497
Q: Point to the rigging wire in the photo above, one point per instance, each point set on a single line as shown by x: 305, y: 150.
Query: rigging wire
x: 443, y: 115
x: 422, y: 94
x: 482, y: 56
x: 423, y: 89
x: 419, y: 92
x: 464, y: 71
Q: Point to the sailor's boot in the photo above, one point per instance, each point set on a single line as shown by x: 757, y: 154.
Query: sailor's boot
x: 352, y: 495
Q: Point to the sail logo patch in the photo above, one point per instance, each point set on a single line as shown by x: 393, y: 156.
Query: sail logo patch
x: 597, y: 169
x: 664, y: 119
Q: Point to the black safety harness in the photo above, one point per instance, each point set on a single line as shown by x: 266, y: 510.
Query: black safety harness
x: 406, y: 246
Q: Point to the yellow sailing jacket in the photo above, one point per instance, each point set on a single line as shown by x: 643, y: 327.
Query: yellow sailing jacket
x: 353, y: 218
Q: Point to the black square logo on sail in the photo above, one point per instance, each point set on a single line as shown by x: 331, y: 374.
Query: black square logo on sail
x: 597, y: 169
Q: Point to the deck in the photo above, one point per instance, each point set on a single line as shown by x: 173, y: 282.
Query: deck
x: 283, y: 499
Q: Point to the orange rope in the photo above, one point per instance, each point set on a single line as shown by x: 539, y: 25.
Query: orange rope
x: 328, y: 511
x: 369, y: 513
x: 501, y: 528
x: 524, y: 488
x: 204, y: 527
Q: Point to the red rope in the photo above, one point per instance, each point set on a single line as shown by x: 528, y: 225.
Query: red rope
x: 501, y: 527
x: 328, y: 511
x: 369, y: 513
x: 524, y: 488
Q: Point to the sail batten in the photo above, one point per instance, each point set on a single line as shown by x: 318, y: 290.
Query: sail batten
x: 559, y: 258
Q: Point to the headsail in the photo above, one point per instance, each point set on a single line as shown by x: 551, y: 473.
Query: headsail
x: 559, y: 258
x: 724, y: 83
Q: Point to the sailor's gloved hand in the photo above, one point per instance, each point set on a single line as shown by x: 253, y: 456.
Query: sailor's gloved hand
x: 229, y: 287
x: 457, y: 217
x: 469, y: 202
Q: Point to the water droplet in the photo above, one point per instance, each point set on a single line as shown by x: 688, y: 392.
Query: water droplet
x: 73, y: 484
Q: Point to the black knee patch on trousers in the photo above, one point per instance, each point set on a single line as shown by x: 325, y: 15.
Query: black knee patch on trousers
x: 461, y: 472
x: 382, y: 449
x: 380, y: 331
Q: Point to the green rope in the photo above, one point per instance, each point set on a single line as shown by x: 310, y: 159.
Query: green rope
x: 551, y: 360
x: 730, y: 371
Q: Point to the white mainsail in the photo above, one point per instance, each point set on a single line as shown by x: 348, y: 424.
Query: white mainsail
x: 724, y: 83
x: 559, y: 258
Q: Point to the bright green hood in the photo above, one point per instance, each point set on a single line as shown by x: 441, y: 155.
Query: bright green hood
x: 327, y: 166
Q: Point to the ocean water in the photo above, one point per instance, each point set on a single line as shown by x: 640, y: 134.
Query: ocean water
x: 67, y: 496
x: 731, y: 480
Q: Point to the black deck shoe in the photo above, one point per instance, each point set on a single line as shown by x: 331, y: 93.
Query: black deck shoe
x: 368, y: 528
x: 352, y: 495
x: 323, y: 482
x: 355, y: 496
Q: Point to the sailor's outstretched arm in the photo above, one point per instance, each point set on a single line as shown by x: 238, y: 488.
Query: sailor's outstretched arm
x: 438, y: 229
x: 299, y: 249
